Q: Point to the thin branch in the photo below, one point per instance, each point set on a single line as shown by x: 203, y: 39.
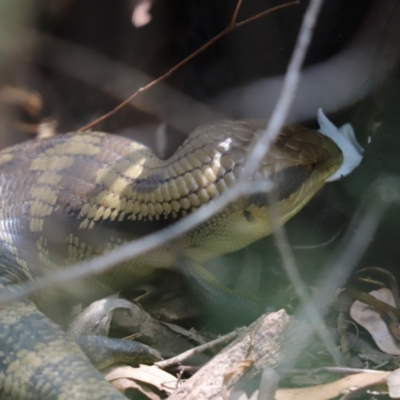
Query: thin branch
x: 355, y: 242
x: 232, y: 26
x: 331, y: 370
x: 236, y: 12
x: 359, y: 235
x: 314, y: 246
x: 311, y: 311
x: 199, y: 349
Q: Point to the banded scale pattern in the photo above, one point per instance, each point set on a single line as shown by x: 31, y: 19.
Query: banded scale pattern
x: 71, y: 197
x: 55, y: 192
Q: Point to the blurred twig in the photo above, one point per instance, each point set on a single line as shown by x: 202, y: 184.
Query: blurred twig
x: 288, y: 91
x: 232, y: 26
x: 278, y: 118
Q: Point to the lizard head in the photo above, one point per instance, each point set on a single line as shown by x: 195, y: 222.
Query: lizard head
x: 297, y: 164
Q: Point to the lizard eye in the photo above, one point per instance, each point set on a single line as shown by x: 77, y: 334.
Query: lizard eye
x: 249, y: 216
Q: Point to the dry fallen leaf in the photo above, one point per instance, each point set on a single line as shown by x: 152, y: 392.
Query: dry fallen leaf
x: 333, y: 389
x: 145, y: 377
x: 123, y: 384
x: 373, y: 322
x: 393, y: 382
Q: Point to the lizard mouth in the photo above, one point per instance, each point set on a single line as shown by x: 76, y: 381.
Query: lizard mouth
x: 303, y: 185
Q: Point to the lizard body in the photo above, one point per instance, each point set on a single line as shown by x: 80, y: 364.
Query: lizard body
x: 71, y: 197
